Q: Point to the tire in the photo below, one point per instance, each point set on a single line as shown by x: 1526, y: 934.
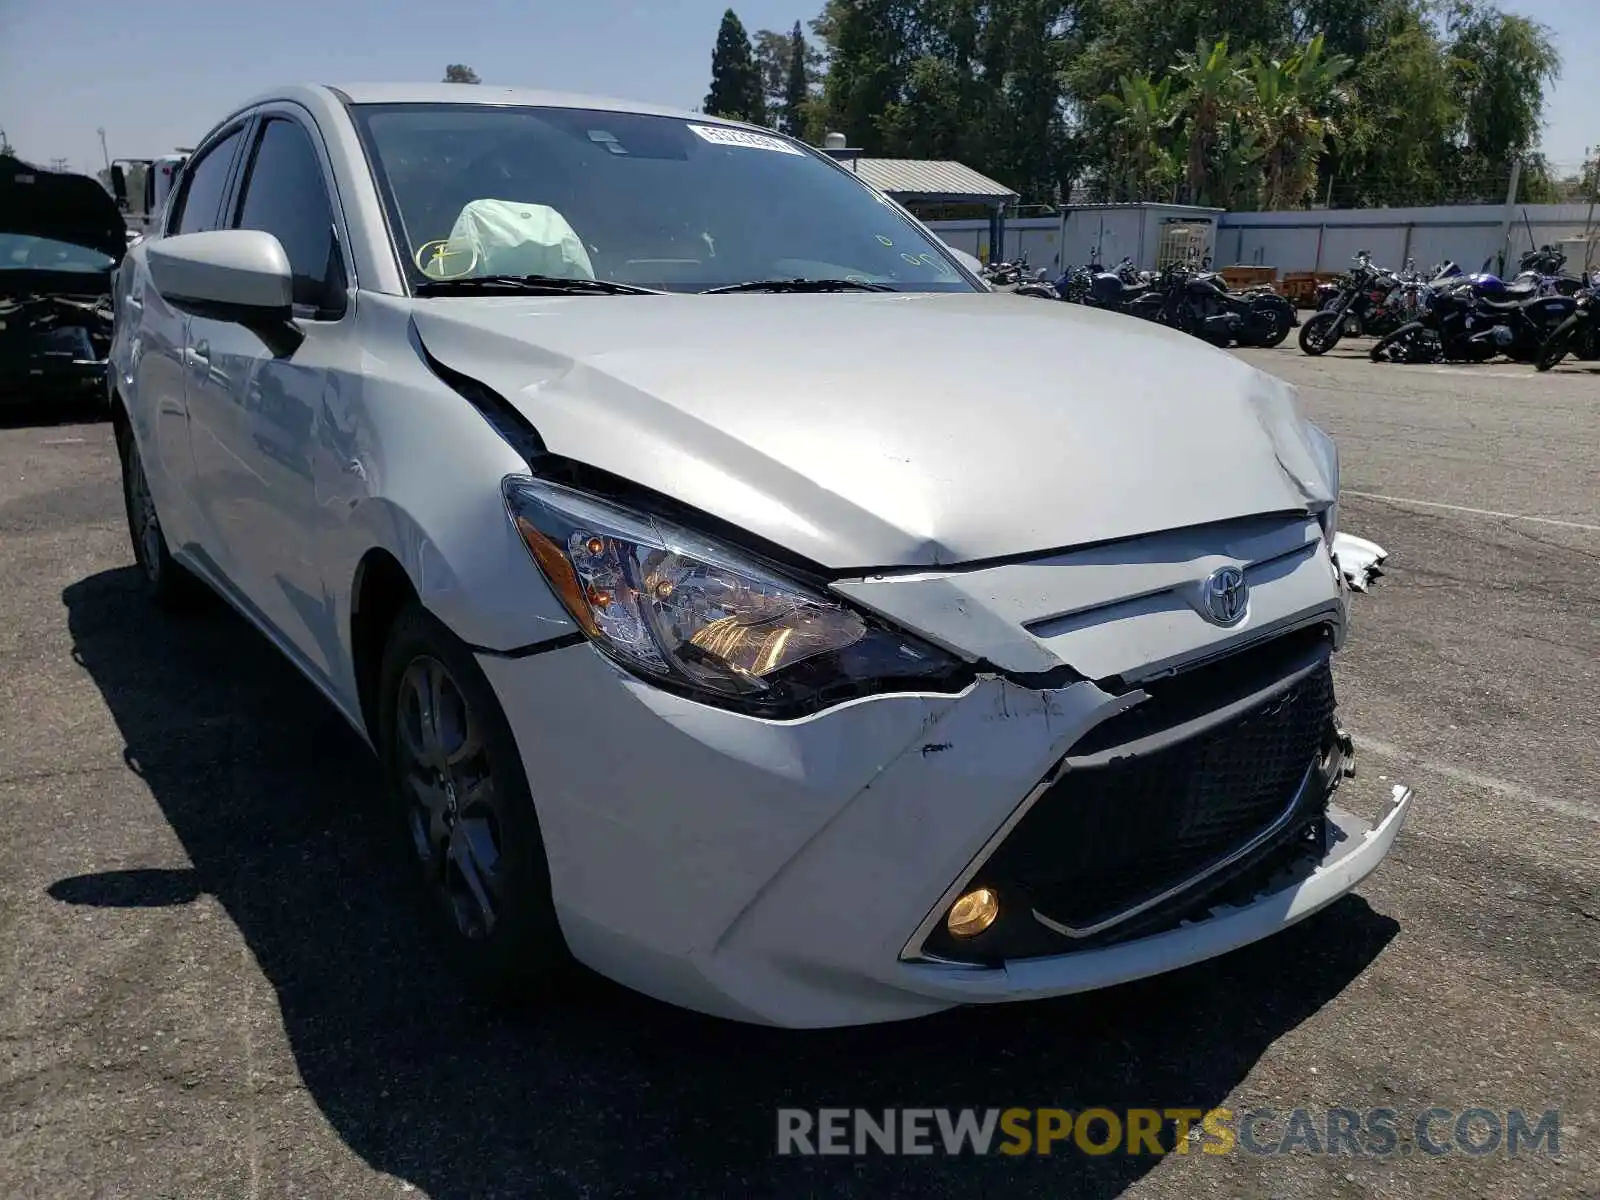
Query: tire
x: 1383, y: 343
x: 172, y: 588
x: 1587, y: 347
x: 1269, y: 322
x: 462, y: 811
x: 1321, y: 333
x: 1558, y: 344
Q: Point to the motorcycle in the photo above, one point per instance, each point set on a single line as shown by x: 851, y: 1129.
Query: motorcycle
x: 1578, y: 335
x: 1545, y: 264
x: 1039, y: 286
x: 1198, y: 304
x: 1370, y: 300
x: 1459, y: 325
x: 1005, y: 274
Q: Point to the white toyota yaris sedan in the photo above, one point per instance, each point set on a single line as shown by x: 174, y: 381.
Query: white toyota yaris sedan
x: 639, y: 486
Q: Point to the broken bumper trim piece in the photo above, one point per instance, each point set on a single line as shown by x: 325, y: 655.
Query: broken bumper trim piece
x: 1358, y: 560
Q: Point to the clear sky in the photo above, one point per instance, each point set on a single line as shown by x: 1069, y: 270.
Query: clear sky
x: 156, y: 73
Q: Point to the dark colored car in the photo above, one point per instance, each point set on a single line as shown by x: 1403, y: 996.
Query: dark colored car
x: 61, y: 239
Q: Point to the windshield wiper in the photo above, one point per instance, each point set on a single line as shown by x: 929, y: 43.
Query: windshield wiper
x: 802, y: 285
x: 548, y: 285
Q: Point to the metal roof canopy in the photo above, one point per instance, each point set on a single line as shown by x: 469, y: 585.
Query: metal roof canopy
x: 928, y: 181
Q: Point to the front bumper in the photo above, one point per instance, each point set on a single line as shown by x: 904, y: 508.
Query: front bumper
x: 779, y: 872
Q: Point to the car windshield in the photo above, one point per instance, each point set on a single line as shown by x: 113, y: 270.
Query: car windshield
x: 24, y: 252
x: 661, y: 202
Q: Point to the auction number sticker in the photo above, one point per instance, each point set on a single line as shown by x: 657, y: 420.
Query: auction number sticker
x: 719, y: 135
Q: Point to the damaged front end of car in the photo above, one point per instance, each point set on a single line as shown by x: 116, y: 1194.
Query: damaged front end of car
x: 61, y: 239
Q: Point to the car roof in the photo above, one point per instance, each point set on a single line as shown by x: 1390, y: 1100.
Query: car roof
x: 472, y: 93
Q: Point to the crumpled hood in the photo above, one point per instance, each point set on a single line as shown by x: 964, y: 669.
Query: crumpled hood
x: 62, y: 206
x: 866, y: 430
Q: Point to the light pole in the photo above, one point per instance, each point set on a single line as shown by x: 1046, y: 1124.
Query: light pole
x: 104, y: 153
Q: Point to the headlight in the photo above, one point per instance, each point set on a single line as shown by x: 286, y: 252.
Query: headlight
x: 706, y: 619
x: 1326, y: 452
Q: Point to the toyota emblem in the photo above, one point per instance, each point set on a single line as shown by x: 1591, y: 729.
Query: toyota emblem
x: 1225, y: 596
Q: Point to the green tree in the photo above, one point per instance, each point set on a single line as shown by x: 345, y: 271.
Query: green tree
x: 460, y: 73
x: 1213, y: 86
x: 787, y: 65
x: 735, y: 81
x: 797, y: 85
x: 1293, y: 102
x: 1142, y: 123
x: 1501, y: 65
x: 1397, y: 144
x: 1433, y: 99
x: 771, y: 49
x: 869, y: 61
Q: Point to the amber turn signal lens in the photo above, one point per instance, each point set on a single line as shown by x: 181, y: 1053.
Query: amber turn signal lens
x: 559, y: 572
x: 973, y: 913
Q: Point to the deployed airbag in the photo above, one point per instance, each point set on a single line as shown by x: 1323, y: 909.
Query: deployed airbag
x: 507, y: 237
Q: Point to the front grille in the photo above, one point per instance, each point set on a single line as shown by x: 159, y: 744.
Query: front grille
x: 1129, y: 819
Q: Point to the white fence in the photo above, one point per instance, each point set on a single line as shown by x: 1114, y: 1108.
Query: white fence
x: 1039, y: 239
x: 1325, y: 240
x: 1312, y: 240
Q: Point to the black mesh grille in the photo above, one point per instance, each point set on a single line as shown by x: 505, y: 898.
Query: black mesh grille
x: 1107, y: 837
x: 1102, y: 840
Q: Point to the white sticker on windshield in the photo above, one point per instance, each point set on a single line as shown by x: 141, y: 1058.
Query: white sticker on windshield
x: 720, y: 135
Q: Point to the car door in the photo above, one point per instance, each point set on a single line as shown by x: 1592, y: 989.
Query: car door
x: 158, y: 357
x: 257, y: 417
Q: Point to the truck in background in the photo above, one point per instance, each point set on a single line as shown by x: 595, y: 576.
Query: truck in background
x: 141, y: 187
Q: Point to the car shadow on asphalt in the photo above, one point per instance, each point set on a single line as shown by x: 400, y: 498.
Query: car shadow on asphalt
x: 275, y: 802
x: 18, y: 413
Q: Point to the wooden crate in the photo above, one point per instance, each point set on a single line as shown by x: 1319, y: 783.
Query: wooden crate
x: 1244, y: 277
x: 1301, y: 286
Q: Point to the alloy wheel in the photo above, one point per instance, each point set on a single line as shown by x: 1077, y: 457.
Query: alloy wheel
x: 452, y: 806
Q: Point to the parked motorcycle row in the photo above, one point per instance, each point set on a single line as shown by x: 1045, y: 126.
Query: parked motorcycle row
x: 1541, y: 316
x: 1193, y: 299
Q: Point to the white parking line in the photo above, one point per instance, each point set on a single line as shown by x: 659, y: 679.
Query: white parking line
x: 1488, y: 783
x: 1484, y: 374
x: 1476, y: 512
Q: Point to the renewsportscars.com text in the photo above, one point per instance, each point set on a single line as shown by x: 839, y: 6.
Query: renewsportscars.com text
x: 1372, y: 1132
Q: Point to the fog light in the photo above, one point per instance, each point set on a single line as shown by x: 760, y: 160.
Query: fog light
x: 973, y: 913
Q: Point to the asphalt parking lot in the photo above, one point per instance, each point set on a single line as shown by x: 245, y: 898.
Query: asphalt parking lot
x: 209, y: 986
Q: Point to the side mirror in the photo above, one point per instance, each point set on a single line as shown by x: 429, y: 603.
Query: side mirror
x: 238, y: 275
x: 119, y: 187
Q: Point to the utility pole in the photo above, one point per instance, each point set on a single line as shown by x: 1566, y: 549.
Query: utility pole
x: 1510, y: 214
x: 104, y: 153
x: 58, y: 164
x: 1592, y: 166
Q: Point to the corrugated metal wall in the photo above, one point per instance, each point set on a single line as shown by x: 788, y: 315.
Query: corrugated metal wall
x: 1290, y: 241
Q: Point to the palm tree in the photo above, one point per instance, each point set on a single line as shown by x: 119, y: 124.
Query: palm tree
x: 1144, y: 118
x: 1214, y: 84
x: 1293, y: 103
x: 1237, y: 184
